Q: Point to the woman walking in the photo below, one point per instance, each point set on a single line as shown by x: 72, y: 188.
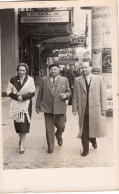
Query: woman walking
x: 21, y: 89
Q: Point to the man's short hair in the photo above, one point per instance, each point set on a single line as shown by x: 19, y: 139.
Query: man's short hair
x: 85, y: 62
x: 53, y: 65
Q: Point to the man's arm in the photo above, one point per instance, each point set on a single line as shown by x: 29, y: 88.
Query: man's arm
x: 67, y: 94
x: 39, y: 97
x: 103, y: 96
x: 68, y: 91
x: 74, y: 99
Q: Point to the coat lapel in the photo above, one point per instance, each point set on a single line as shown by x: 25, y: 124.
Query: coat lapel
x: 82, y: 82
x: 49, y: 85
x: 93, y: 81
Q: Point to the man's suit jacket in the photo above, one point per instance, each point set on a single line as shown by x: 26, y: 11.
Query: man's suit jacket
x: 71, y: 76
x: 49, y: 103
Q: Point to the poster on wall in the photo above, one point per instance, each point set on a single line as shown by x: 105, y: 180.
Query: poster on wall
x: 108, y: 81
x: 96, y: 60
x: 106, y: 60
x: 106, y: 34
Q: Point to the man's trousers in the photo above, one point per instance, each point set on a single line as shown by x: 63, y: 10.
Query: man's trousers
x: 52, y: 121
x: 85, y: 135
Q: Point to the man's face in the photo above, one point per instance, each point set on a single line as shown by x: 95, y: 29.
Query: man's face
x: 72, y: 67
x: 85, y: 68
x: 54, y: 71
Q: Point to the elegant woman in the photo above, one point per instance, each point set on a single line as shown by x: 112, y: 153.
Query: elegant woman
x: 21, y: 89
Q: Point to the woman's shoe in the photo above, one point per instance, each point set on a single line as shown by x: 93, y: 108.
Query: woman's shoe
x: 22, y: 152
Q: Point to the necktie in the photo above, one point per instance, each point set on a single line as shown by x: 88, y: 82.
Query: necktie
x: 53, y: 80
x: 88, y: 80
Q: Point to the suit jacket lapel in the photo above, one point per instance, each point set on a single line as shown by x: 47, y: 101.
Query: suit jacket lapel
x: 58, y: 84
x: 82, y: 82
x: 49, y: 85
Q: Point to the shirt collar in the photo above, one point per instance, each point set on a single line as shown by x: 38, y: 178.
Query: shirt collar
x: 88, y: 76
x: 55, y: 77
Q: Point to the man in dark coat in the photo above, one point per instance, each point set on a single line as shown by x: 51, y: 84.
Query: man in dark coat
x: 71, y: 76
x: 51, y: 99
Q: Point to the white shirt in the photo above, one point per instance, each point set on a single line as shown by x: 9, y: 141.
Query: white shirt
x: 22, y: 79
x: 55, y: 78
x: 88, y: 78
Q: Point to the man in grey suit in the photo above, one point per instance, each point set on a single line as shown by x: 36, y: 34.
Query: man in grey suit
x: 51, y: 99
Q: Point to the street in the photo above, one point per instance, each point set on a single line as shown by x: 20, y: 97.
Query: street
x: 36, y: 156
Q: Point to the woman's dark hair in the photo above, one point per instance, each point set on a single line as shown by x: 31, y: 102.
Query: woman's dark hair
x: 23, y: 65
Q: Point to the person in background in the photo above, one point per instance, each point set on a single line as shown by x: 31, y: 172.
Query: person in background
x: 51, y: 99
x: 71, y: 76
x: 63, y: 71
x: 89, y: 100
x: 21, y: 89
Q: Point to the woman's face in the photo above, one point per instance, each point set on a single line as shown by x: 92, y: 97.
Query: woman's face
x: 22, y: 71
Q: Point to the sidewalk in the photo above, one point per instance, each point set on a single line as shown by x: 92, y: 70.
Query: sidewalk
x: 36, y: 156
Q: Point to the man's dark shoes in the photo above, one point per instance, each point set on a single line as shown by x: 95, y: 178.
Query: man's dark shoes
x: 60, y: 142
x: 84, y: 153
x: 94, y: 145
x: 50, y: 151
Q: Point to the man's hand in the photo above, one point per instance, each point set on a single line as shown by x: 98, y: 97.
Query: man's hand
x: 20, y: 98
x: 103, y: 112
x: 37, y: 110
x: 74, y: 113
x: 63, y: 96
x: 72, y: 87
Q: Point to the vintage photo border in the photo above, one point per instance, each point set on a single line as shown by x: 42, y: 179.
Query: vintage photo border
x: 59, y: 180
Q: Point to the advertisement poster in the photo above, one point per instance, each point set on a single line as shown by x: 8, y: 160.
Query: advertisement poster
x: 106, y: 60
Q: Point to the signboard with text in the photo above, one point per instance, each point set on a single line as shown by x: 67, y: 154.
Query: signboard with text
x: 45, y: 17
x: 81, y: 41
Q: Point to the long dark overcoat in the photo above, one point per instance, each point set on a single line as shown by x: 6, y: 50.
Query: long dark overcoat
x: 97, y: 102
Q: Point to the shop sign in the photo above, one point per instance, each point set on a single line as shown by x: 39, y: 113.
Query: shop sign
x: 80, y: 40
x: 45, y: 17
x: 65, y: 51
x: 68, y: 58
x: 50, y: 54
x: 100, y: 12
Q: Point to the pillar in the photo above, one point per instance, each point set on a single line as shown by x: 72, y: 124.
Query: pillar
x: 102, y: 48
x: 9, y: 47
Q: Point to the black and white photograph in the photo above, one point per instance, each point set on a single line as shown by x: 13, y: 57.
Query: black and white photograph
x: 58, y: 92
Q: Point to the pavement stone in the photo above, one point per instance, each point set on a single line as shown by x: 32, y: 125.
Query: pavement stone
x: 67, y: 156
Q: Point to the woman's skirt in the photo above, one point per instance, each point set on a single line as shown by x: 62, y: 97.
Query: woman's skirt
x: 25, y: 126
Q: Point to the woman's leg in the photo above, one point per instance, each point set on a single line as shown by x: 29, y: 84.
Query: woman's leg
x: 22, y: 140
x: 19, y: 139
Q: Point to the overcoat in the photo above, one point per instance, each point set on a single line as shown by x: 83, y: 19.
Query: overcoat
x: 15, y: 81
x: 97, y: 102
x: 49, y: 102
